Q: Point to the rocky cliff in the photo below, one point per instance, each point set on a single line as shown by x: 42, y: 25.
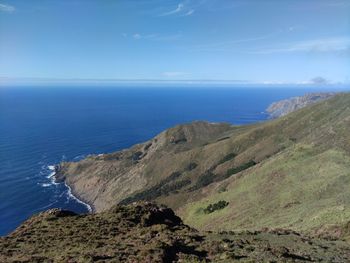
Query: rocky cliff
x: 284, y: 107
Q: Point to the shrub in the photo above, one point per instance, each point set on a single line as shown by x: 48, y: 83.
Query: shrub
x: 223, y: 188
x: 222, y: 139
x: 171, y: 188
x: 147, y: 146
x: 240, y: 168
x: 162, y: 188
x: 216, y: 206
x: 205, y: 179
x: 136, y: 156
x: 191, y: 166
x: 228, y: 157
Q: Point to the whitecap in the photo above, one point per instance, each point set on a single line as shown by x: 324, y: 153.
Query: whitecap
x: 51, y: 175
x: 70, y: 195
x: 51, y: 167
x: 79, y: 157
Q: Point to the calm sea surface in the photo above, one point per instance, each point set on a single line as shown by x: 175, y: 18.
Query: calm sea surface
x: 42, y: 126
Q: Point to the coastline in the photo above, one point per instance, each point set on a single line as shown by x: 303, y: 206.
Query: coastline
x: 70, y: 191
x: 78, y: 199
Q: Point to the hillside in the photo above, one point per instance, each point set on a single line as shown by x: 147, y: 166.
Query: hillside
x: 144, y: 232
x: 290, y: 172
x: 284, y: 107
x: 304, y: 186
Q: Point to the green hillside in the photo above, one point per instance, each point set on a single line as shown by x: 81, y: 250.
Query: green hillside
x: 304, y: 186
x: 277, y: 191
x: 290, y: 172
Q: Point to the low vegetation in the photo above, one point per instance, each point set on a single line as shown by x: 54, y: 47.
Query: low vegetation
x: 227, y: 158
x: 217, y: 206
x: 191, y: 166
x: 205, y: 179
x: 291, y: 172
x: 162, y: 188
x: 240, y: 168
x: 144, y: 232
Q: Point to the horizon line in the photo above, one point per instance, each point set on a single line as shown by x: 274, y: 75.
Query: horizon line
x: 25, y: 80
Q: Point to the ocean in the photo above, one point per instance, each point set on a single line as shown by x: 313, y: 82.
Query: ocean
x: 43, y: 126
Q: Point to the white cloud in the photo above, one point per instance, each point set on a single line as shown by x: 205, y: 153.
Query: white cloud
x: 7, y: 8
x: 155, y: 37
x: 137, y: 36
x: 181, y: 10
x: 319, y: 80
x: 228, y: 45
x: 340, y: 44
x: 178, y: 9
x: 188, y: 13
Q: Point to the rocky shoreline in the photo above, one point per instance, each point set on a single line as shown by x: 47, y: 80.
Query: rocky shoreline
x: 59, y: 177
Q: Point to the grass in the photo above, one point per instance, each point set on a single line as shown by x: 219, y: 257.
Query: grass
x: 298, y: 174
x: 144, y: 232
x: 302, y: 188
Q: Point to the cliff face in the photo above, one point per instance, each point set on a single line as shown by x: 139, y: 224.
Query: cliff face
x: 292, y: 172
x: 284, y: 107
x: 144, y: 232
x: 107, y: 179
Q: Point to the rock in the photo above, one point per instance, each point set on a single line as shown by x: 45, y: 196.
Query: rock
x: 283, y: 107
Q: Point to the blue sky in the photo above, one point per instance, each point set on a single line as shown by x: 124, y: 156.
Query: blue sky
x: 259, y: 41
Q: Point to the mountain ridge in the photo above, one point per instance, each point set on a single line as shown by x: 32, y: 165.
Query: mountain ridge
x: 145, y: 232
x: 191, y: 166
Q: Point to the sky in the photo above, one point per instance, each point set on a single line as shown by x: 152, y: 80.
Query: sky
x: 253, y: 41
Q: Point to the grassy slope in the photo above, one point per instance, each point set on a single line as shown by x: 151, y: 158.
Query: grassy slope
x: 300, y: 181
x: 147, y: 233
x: 296, y: 189
x: 305, y: 186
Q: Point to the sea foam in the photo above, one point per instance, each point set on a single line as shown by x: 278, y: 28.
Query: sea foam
x: 71, y: 195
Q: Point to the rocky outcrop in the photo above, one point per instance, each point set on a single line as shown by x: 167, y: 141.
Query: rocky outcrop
x: 145, y: 232
x: 284, y: 107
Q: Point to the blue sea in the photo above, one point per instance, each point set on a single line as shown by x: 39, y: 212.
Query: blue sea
x: 43, y: 126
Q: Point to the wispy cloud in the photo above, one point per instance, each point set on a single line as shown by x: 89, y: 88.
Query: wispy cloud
x: 230, y: 44
x: 340, y: 44
x: 178, y: 9
x: 7, y: 8
x: 139, y: 36
x: 188, y: 13
x: 154, y: 37
x: 182, y: 9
